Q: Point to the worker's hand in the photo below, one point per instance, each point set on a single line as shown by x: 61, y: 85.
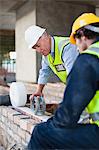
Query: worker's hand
x: 38, y: 91
x: 35, y: 94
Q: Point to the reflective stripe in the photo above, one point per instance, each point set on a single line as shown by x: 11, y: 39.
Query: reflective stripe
x: 95, y: 49
x: 92, y: 28
x: 95, y: 116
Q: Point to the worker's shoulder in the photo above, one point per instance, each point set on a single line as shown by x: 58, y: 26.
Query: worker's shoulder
x: 88, y: 57
x: 69, y: 47
x: 87, y: 63
x: 87, y: 60
x: 70, y: 50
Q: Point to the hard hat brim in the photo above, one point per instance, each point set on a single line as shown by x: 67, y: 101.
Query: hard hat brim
x: 72, y: 40
x: 33, y: 34
x: 37, y: 38
x: 82, y: 21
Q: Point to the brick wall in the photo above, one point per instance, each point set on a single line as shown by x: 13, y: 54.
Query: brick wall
x: 16, y: 129
x: 53, y: 92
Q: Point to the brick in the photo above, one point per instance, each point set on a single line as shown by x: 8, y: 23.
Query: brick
x: 28, y: 136
x: 17, y: 138
x: 10, y: 114
x: 0, y: 109
x: 10, y: 132
x: 2, y: 125
x: 30, y: 127
x: 3, y: 119
x: 21, y: 133
x: 8, y: 123
x: 17, y: 120
x: 9, y: 137
x: 0, y: 117
x: 24, y: 144
x: 23, y: 124
x: 14, y: 128
x: 11, y: 143
x: 4, y: 112
x: 60, y: 95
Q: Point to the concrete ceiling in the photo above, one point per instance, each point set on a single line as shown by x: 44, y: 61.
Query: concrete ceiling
x: 87, y: 2
x: 12, y: 5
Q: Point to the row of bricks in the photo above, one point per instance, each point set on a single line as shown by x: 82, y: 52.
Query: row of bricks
x: 10, y: 136
x: 51, y: 95
x: 15, y: 127
x: 50, y: 89
x: 23, y: 121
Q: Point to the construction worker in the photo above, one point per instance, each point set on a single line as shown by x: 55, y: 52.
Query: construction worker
x: 62, y: 131
x: 58, y: 55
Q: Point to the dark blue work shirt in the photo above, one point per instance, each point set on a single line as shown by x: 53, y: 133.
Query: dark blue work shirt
x: 62, y: 131
x: 82, y: 83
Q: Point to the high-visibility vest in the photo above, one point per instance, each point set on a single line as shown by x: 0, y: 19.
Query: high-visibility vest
x: 93, y: 106
x: 56, y: 63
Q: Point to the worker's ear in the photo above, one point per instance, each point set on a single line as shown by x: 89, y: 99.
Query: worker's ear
x: 83, y: 38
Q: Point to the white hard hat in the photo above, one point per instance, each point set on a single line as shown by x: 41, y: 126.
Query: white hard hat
x: 32, y: 35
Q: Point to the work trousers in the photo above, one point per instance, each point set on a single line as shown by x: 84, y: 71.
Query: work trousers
x: 47, y: 136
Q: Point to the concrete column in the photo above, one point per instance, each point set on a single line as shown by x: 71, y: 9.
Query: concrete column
x: 26, y: 58
x: 7, y: 21
x: 97, y: 11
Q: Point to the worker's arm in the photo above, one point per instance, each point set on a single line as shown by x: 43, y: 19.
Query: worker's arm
x: 44, y: 74
x: 45, y: 71
x: 38, y: 91
x: 81, y: 87
x: 69, y: 55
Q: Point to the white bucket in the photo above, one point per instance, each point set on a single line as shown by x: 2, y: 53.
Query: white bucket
x: 18, y: 94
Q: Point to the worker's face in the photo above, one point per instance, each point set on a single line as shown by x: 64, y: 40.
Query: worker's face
x: 43, y: 46
x: 81, y: 43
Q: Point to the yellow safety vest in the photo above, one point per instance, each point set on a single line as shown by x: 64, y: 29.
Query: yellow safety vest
x: 93, y: 106
x: 56, y: 63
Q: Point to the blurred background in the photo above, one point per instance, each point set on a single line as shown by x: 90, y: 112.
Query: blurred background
x: 17, y: 63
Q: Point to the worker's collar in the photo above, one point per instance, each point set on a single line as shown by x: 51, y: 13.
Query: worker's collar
x: 97, y: 40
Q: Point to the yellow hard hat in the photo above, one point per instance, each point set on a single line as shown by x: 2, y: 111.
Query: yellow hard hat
x: 81, y: 21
